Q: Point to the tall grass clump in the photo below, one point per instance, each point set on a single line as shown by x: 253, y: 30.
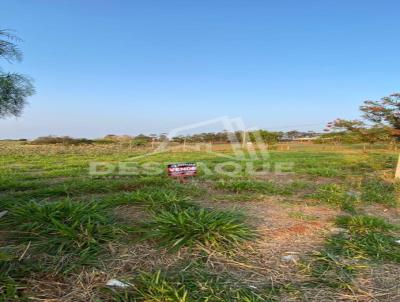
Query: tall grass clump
x: 193, y: 285
x: 153, y: 287
x: 61, y: 228
x: 367, y: 237
x: 379, y: 191
x: 364, y: 239
x: 197, y: 227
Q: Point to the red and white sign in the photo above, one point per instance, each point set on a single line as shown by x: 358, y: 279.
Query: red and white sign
x: 182, y: 170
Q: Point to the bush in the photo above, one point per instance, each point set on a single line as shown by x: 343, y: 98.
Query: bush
x: 197, y: 227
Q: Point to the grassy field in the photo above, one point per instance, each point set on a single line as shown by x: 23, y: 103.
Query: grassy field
x: 326, y: 231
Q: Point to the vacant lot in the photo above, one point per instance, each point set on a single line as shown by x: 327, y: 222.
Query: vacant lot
x: 325, y: 232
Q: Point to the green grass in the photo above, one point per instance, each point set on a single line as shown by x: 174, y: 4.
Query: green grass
x: 332, y: 270
x: 12, y: 271
x: 368, y: 237
x: 336, y: 195
x: 379, y: 191
x: 63, y: 228
x: 153, y: 287
x: 367, y: 240
x: 264, y: 187
x: 238, y: 197
x: 195, y: 284
x: 302, y: 216
x: 197, y: 227
x: 63, y: 218
x: 154, y: 198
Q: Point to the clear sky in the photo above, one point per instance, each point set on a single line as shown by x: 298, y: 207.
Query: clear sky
x: 129, y: 67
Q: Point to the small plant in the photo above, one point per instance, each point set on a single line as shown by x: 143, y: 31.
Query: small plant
x: 193, y: 227
x: 378, y: 191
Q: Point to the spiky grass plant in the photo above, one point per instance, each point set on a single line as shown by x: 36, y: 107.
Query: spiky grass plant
x: 153, y: 287
x: 364, y: 239
x: 196, y: 284
x: 368, y: 237
x: 64, y: 228
x: 193, y: 227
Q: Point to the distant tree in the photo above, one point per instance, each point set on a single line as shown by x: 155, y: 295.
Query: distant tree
x: 141, y: 140
x: 340, y: 125
x: 178, y: 139
x: 265, y: 136
x: 14, y: 88
x: 386, y: 112
x: 356, y: 131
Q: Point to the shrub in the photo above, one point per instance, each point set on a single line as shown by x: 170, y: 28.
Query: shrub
x: 193, y: 227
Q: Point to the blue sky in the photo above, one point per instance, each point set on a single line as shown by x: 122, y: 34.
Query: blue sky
x: 129, y: 67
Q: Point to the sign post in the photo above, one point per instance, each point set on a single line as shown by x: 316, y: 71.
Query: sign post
x: 182, y: 170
